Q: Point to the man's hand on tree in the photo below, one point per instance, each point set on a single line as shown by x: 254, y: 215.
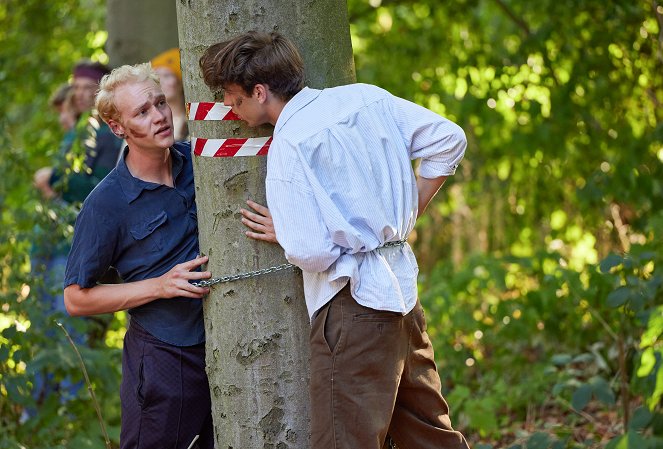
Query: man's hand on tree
x: 259, y: 221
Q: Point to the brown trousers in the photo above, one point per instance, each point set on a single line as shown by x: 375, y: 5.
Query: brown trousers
x: 373, y: 374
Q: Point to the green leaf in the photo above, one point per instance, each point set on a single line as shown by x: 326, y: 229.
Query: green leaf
x: 559, y: 444
x: 560, y: 359
x: 641, y: 417
x: 459, y: 394
x: 654, y: 328
x: 618, y: 297
x: 636, y: 441
x: 558, y: 388
x: 637, y: 302
x: 658, y: 390
x: 602, y: 391
x: 610, y: 262
x: 481, y: 413
x: 615, y: 442
x: 652, y: 285
x: 585, y: 357
x: 647, y: 362
x: 581, y: 397
x: 539, y: 440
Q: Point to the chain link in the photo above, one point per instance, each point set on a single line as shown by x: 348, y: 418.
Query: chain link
x: 237, y: 277
x: 250, y: 274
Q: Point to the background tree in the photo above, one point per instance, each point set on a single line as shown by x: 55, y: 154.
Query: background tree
x: 256, y: 329
x: 138, y: 31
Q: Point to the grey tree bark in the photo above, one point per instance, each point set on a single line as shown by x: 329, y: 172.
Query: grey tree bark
x: 139, y: 30
x: 257, y: 329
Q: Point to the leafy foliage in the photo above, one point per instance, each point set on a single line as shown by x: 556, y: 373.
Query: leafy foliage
x: 40, y: 42
x: 542, y: 258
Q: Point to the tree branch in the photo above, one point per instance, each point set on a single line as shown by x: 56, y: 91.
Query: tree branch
x: 518, y: 21
x: 89, y: 387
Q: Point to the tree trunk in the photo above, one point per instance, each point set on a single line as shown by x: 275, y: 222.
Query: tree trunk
x: 257, y: 329
x: 139, y: 30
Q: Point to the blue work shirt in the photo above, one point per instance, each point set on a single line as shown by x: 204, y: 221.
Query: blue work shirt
x: 142, y: 229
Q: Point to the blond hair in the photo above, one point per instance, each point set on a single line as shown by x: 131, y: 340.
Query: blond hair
x: 105, y: 99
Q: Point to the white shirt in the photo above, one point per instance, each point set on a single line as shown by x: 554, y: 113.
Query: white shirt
x: 340, y: 184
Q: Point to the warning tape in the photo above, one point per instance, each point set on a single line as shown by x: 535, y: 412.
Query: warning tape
x: 210, y: 111
x: 253, y: 146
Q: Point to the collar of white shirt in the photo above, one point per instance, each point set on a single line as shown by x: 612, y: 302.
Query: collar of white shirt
x: 301, y: 99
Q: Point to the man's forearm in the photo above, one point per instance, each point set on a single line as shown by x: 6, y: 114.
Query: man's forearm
x: 109, y: 298
x: 427, y: 188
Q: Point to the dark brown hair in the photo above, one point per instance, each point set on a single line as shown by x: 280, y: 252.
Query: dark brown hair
x: 90, y: 69
x: 255, y: 58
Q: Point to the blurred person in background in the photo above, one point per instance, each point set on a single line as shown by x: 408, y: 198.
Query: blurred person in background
x: 167, y: 66
x: 87, y: 152
x: 62, y: 101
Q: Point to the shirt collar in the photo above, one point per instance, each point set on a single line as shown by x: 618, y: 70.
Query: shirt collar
x: 132, y: 186
x: 303, y: 97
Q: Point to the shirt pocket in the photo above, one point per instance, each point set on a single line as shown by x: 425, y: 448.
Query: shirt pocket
x: 149, y: 233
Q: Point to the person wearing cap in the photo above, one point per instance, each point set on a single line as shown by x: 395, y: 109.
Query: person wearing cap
x: 90, y: 141
x: 167, y: 66
x: 94, y: 142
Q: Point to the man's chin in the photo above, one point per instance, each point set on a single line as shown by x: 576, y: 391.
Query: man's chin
x: 165, y: 136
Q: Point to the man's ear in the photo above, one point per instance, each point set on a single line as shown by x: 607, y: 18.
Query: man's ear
x: 261, y: 92
x: 117, y: 129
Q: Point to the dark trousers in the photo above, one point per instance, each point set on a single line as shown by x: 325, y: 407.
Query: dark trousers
x: 373, y: 374
x: 164, y: 393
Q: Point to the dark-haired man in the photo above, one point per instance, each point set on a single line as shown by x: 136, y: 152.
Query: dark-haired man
x: 344, y: 198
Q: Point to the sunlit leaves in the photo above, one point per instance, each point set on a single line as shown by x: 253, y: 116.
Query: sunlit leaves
x: 654, y: 330
x: 528, y: 78
x: 40, y: 42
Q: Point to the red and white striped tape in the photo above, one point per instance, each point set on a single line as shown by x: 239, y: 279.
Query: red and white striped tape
x: 253, y: 146
x: 210, y: 111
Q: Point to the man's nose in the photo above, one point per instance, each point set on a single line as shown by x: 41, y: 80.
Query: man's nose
x: 158, y: 115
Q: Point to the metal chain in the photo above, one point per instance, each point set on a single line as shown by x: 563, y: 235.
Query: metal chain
x: 390, y: 244
x: 237, y: 277
x: 250, y: 274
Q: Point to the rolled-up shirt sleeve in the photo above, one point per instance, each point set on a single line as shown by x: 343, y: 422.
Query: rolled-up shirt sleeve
x: 437, y: 141
x: 91, y: 251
